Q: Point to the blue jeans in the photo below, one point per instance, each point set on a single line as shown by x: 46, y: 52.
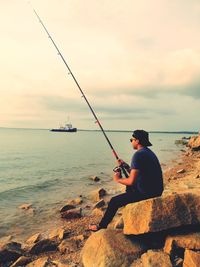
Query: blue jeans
x: 118, y: 202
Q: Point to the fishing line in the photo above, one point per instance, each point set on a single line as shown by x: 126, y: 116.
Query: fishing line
x: 80, y: 89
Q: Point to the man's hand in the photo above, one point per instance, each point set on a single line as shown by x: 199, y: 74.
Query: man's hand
x: 117, y: 176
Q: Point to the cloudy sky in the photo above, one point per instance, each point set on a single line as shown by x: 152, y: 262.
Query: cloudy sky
x: 138, y: 62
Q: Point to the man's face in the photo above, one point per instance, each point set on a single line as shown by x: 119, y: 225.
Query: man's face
x: 134, y: 142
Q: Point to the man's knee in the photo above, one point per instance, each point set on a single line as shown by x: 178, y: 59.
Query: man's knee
x: 114, y: 202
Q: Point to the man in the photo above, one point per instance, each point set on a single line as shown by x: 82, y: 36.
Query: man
x: 144, y: 181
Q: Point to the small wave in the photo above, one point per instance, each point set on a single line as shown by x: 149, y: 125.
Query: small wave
x: 22, y: 191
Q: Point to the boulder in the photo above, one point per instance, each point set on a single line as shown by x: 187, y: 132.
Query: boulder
x: 67, y: 207
x: 72, y: 214
x: 59, y: 234
x: 68, y: 246
x: 44, y: 245
x: 191, y: 258
x: 194, y: 142
x: 98, y: 194
x: 186, y: 241
x: 110, y: 248
x: 156, y: 259
x: 34, y: 239
x: 9, y: 252
x: 161, y: 213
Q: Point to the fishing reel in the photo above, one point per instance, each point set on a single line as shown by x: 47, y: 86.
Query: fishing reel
x: 123, y: 169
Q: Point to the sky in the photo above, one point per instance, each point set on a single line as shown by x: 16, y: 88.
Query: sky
x: 137, y: 61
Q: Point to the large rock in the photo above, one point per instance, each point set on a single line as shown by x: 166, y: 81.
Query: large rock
x: 186, y: 241
x: 191, y: 258
x: 9, y: 252
x: 194, y: 142
x: 110, y: 248
x: 44, y: 245
x: 161, y: 213
x: 156, y: 259
x: 72, y: 214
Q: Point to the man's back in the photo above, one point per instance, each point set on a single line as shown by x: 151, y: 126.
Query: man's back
x: 149, y: 180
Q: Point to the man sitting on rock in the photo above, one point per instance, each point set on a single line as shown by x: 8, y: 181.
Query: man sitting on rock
x: 145, y: 178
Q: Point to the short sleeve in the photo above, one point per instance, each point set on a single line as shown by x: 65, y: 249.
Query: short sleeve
x: 135, y: 162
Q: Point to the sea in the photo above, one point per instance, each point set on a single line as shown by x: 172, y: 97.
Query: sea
x: 45, y: 169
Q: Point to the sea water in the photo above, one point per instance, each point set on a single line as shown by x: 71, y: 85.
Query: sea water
x: 46, y: 168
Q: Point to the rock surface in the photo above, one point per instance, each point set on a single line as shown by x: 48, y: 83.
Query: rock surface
x: 72, y: 214
x: 9, y: 252
x: 162, y: 213
x: 191, y: 258
x: 156, y: 259
x: 194, y: 143
x: 110, y: 248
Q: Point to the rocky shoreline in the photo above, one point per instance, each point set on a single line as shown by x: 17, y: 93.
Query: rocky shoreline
x: 72, y: 245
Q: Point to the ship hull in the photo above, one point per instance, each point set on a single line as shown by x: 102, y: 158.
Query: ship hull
x: 72, y: 130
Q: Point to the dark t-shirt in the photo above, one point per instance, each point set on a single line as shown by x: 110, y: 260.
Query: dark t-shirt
x: 149, y: 181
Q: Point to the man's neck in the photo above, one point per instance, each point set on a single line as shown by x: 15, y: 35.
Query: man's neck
x: 140, y: 147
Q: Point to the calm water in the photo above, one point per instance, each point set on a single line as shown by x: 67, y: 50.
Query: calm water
x: 45, y: 169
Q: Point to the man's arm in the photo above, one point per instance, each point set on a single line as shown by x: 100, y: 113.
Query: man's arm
x: 126, y: 181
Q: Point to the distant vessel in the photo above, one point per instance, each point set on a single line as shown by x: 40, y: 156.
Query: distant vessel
x: 67, y: 128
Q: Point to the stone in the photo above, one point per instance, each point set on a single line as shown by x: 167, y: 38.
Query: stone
x: 191, y: 258
x: 98, y: 194
x: 78, y: 238
x: 156, y: 259
x: 194, y: 143
x: 99, y: 204
x: 9, y: 252
x: 186, y: 241
x: 95, y: 178
x: 34, y: 239
x: 67, y: 207
x: 21, y: 261
x: 72, y: 214
x: 59, y: 234
x: 75, y: 201
x: 67, y: 246
x: 44, y: 245
x: 25, y: 206
x: 109, y: 248
x: 161, y: 213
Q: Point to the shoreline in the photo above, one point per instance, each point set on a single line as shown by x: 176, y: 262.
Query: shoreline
x: 54, y: 217
x: 181, y: 170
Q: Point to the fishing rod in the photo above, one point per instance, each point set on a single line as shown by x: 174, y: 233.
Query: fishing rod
x: 123, y: 165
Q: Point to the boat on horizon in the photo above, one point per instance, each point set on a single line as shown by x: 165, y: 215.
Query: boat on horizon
x: 67, y: 128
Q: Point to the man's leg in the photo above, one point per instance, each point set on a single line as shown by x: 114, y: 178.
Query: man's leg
x: 116, y: 203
